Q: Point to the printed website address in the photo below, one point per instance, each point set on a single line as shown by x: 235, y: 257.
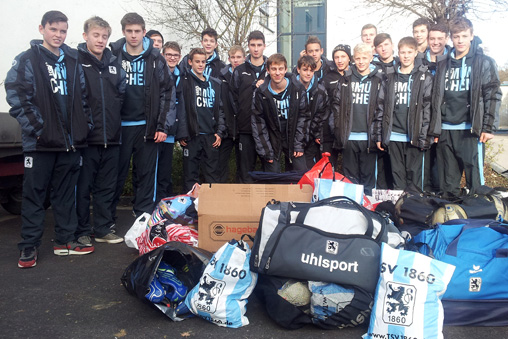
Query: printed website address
x: 389, y: 336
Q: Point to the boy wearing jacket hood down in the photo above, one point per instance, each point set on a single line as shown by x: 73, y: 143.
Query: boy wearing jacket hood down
x: 105, y: 83
x: 46, y: 91
x: 405, y: 122
x: 466, y: 98
x: 318, y: 103
x: 280, y: 118
x: 147, y: 112
x: 202, y: 125
x: 209, y: 43
x: 355, y: 106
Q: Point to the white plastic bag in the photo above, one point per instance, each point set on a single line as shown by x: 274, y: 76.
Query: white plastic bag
x: 136, y: 230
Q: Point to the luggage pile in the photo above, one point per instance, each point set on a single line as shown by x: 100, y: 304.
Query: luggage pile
x: 403, y: 268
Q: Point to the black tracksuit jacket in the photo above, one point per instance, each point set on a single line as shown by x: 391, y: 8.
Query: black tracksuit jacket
x: 105, y: 83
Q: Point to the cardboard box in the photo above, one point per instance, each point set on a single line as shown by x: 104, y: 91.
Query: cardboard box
x: 226, y: 211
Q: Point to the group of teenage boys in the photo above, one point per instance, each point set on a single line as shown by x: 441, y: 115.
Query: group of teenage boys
x: 85, y: 114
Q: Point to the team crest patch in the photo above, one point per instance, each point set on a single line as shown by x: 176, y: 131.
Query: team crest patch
x: 399, y: 304
x: 29, y: 162
x: 475, y: 284
x: 210, y: 290
x: 332, y: 247
x: 185, y: 152
x: 112, y: 69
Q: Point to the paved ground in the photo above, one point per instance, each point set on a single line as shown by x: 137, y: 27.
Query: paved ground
x: 82, y: 297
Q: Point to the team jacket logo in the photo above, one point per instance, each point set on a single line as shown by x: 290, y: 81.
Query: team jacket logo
x: 210, y: 290
x: 112, y: 69
x: 29, y: 162
x: 398, y: 305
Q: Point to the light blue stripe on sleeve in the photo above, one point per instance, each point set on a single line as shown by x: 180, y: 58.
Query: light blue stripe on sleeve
x: 480, y: 162
x: 358, y: 136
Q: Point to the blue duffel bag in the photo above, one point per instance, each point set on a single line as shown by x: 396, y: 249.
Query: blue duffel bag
x: 479, y: 251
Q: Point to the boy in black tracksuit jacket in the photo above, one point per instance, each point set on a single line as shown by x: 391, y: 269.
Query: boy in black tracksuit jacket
x: 230, y: 141
x: 341, y: 56
x: 466, y: 99
x: 201, y: 127
x: 214, y: 64
x: 47, y: 94
x: 146, y: 111
x: 318, y: 106
x: 405, y: 122
x: 355, y: 106
x: 280, y: 119
x: 243, y: 85
x: 105, y: 83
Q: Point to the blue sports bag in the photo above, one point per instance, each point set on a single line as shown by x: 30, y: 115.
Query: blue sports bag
x: 479, y: 251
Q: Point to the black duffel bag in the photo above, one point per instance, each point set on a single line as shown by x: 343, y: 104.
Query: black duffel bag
x: 333, y: 240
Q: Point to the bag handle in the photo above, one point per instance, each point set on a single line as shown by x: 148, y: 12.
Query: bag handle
x: 452, y: 248
x: 334, y: 201
x: 324, y: 168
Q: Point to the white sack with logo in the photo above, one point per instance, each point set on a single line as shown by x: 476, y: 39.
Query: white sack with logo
x: 408, y: 296
x: 226, y: 283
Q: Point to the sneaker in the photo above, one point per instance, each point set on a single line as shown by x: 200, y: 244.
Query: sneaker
x: 85, y: 240
x: 72, y: 247
x: 28, y: 257
x: 110, y: 239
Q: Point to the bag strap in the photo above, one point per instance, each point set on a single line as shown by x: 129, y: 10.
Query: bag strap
x: 452, y: 247
x: 324, y: 168
x: 337, y: 202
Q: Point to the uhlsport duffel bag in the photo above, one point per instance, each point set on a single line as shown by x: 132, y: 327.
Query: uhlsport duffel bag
x: 333, y: 240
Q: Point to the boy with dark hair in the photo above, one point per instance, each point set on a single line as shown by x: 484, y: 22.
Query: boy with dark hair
x: 466, y: 99
x: 201, y: 128
x: 356, y: 105
x: 172, y: 53
x: 421, y: 33
x: 214, y: 64
x: 156, y: 37
x: 244, y: 82
x: 402, y: 130
x: 236, y: 57
x: 314, y: 48
x: 386, y: 61
x: 383, y: 46
x: 147, y: 111
x: 105, y: 83
x: 47, y: 94
x: 280, y: 118
x: 341, y: 56
x: 317, y: 101
x: 438, y: 46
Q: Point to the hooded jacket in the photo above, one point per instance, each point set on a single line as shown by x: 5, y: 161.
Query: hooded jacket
x: 188, y: 126
x: 484, y: 92
x: 433, y: 64
x: 159, y: 89
x: 419, y: 113
x: 318, y: 106
x: 243, y: 86
x: 105, y: 83
x: 342, y: 107
x: 33, y: 103
x: 326, y: 66
x: 214, y: 65
x: 266, y: 129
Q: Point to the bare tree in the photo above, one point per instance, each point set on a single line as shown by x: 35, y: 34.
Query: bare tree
x: 233, y: 19
x: 439, y: 10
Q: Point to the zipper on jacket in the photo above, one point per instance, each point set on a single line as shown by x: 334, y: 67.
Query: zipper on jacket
x: 103, y: 111
x: 72, y: 107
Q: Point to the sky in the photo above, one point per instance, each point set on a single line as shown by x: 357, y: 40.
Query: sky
x: 20, y: 20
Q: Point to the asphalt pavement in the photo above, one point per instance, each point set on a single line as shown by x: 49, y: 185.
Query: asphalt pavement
x: 82, y: 297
